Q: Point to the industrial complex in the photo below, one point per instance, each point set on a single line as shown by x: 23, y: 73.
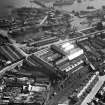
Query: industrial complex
x: 46, y: 60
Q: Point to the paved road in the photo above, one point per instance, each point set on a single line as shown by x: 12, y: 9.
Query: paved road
x: 94, y: 91
x: 20, y: 50
x: 10, y: 67
x: 87, y: 85
x: 4, y: 32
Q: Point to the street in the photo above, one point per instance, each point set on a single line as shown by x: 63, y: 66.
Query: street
x: 94, y: 91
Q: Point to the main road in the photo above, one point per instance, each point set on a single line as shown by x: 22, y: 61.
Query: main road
x: 94, y: 91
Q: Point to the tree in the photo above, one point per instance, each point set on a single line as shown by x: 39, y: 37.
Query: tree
x: 90, y: 19
x: 99, y: 26
x: 100, y: 14
x: 73, y: 99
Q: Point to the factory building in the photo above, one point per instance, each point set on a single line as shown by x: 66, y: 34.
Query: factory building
x: 43, y: 42
x: 60, y: 60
